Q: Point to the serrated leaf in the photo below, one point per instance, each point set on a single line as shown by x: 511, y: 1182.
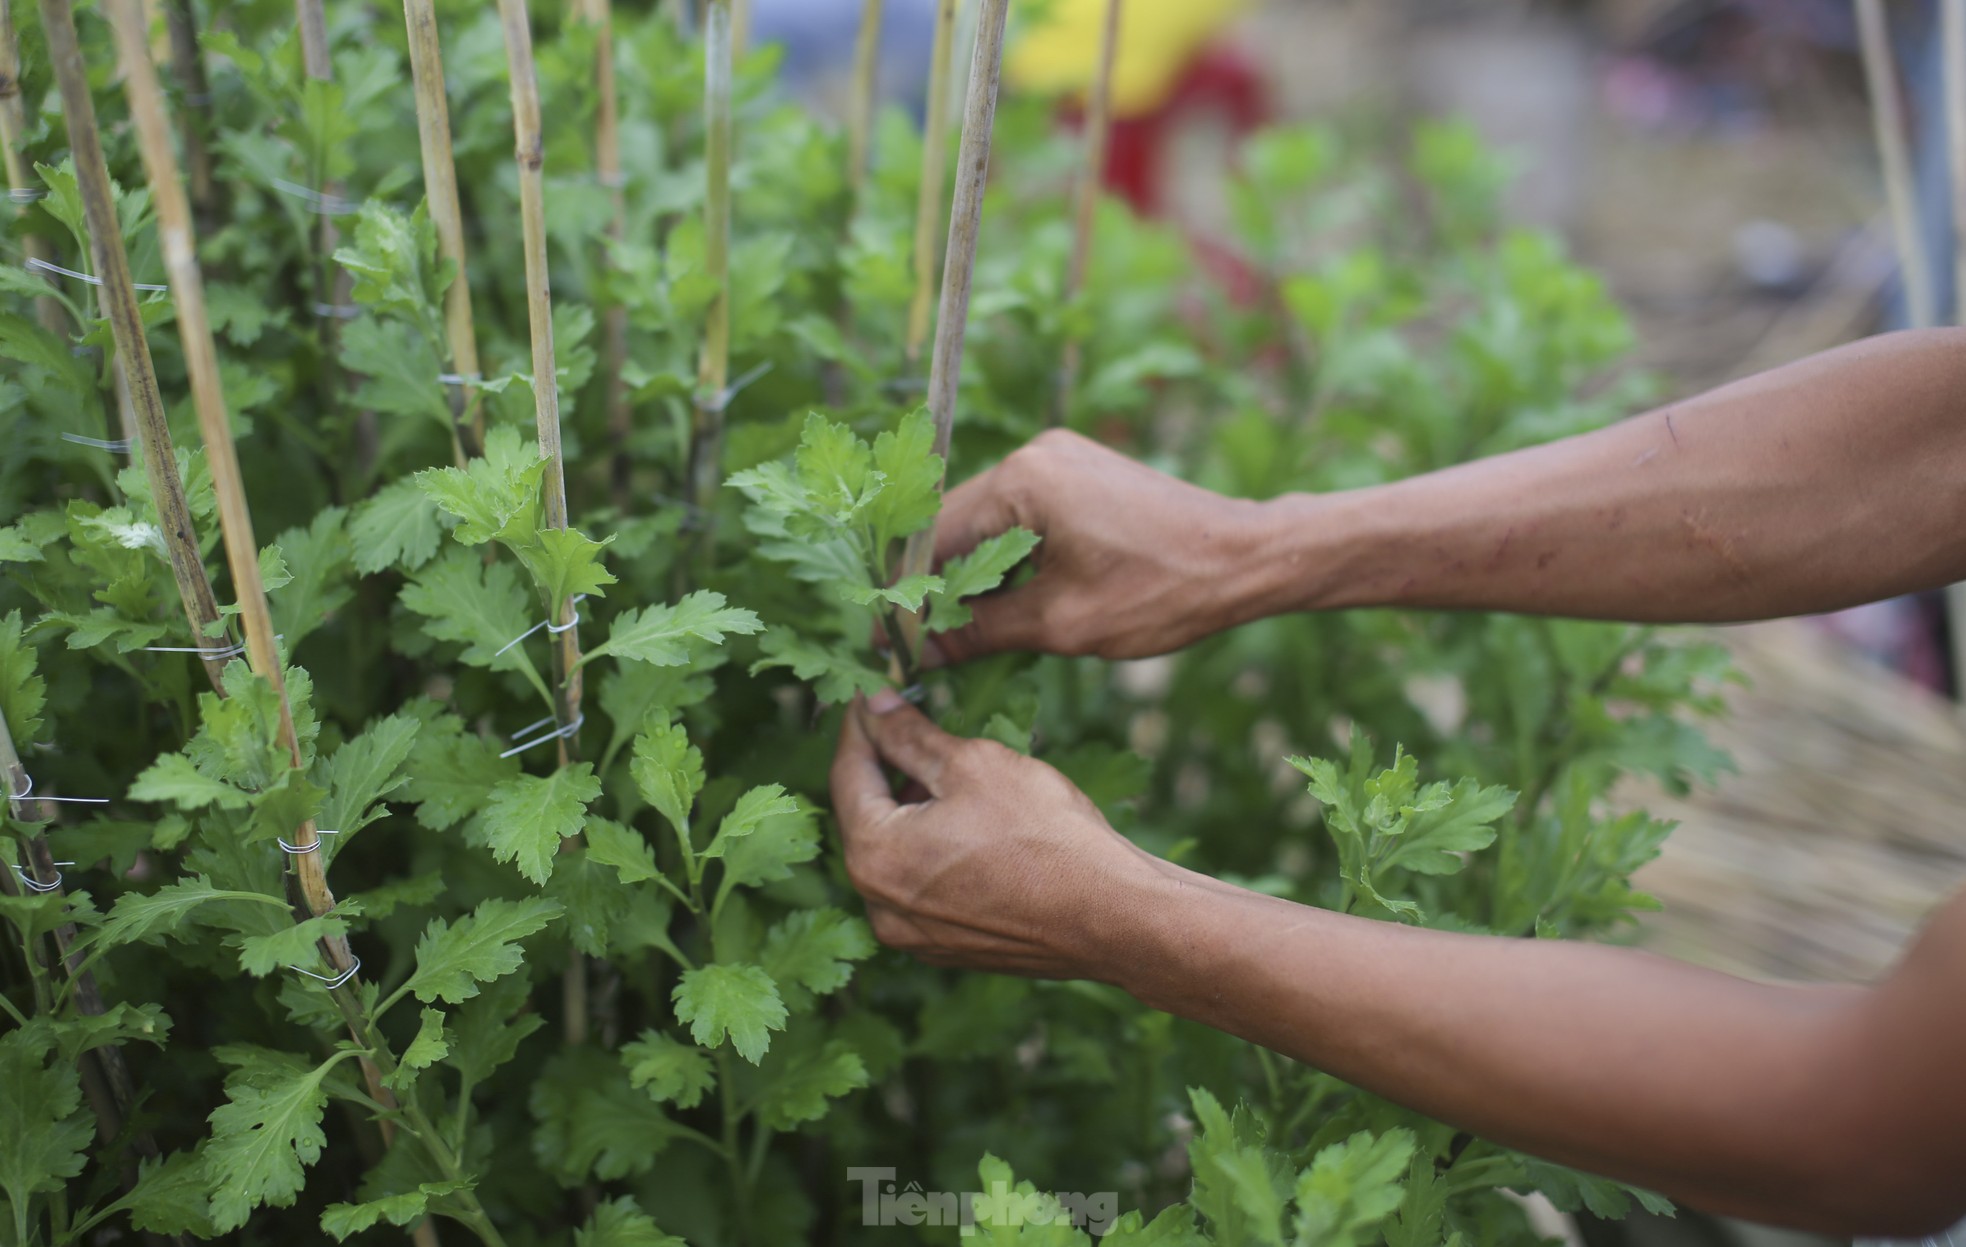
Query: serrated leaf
x: 752, y: 809
x: 452, y: 773
x: 979, y: 571
x: 799, y: 1092
x: 396, y: 528
x: 41, y: 1120
x: 453, y: 959
x: 1435, y: 839
x: 527, y: 816
x: 495, y: 496
x: 138, y: 916
x: 668, y: 1070
x: 735, y: 1001
x: 362, y: 772
x: 320, y: 557
x: 592, y: 1124
x: 566, y: 563
x: 907, y: 592
x: 622, y: 1223
x: 293, y: 945
x: 811, y: 952
x: 429, y: 1046
x: 835, y: 675
x: 170, y: 1197
x: 622, y: 849
x: 485, y: 607
x: 344, y: 1220
x: 263, y: 1137
x: 1351, y: 1187
x: 487, y: 1030
x: 669, y: 635
x: 669, y: 772
x: 175, y: 779
x: 768, y: 854
x: 911, y: 492
x: 22, y: 691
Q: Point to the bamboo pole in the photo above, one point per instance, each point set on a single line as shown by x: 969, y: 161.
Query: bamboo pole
x: 935, y: 156
x: 13, y: 132
x: 188, y: 67
x: 607, y: 168
x: 1887, y: 116
x: 866, y: 83
x: 958, y: 269
x: 713, y: 363
x: 531, y: 155
x: 433, y: 128
x: 126, y: 325
x: 1092, y: 176
x: 178, y: 242
x: 740, y: 27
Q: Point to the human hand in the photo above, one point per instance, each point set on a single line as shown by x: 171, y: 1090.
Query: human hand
x: 1001, y: 864
x: 1133, y: 562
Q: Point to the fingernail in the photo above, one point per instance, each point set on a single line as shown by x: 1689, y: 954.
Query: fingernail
x: 887, y: 701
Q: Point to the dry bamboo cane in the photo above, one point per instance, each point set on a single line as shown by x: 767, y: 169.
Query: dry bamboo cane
x: 607, y: 167
x: 1092, y: 176
x: 126, y: 325
x: 531, y: 155
x: 433, y: 128
x: 13, y: 132
x: 866, y: 81
x: 740, y: 27
x: 318, y: 62
x: 713, y: 364
x: 188, y: 67
x: 1887, y: 115
x: 958, y: 268
x: 175, y: 236
x: 935, y: 157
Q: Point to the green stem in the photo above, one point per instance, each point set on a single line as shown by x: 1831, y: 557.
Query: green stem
x: 740, y: 1186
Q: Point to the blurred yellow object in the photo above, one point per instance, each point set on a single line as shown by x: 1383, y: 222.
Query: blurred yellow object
x: 1058, y: 51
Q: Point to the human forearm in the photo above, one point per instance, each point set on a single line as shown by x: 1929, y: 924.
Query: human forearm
x: 1780, y: 1103
x: 1836, y: 480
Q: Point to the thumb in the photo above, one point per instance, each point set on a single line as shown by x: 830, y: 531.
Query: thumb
x: 977, y: 509
x: 904, y: 737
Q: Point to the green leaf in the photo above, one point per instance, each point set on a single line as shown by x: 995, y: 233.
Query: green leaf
x: 344, y: 1220
x: 735, y: 1001
x: 362, y: 772
x: 621, y: 848
x: 622, y: 1223
x: 396, y: 528
x: 429, y: 1046
x: 527, y: 817
x: 912, y: 492
x: 1353, y: 1186
x: 979, y: 571
x: 293, y: 945
x: 41, y: 1120
x: 768, y: 854
x: 485, y: 607
x: 1239, y: 1186
x: 592, y: 1124
x: 320, y: 555
x: 452, y: 773
x: 496, y: 496
x: 907, y: 592
x: 487, y: 1030
x: 138, y: 916
x: 799, y: 1092
x: 398, y: 367
x: 175, y: 779
x: 752, y: 809
x: 1435, y: 839
x: 811, y: 952
x: 22, y: 691
x: 171, y: 1197
x: 265, y: 1135
x: 393, y: 258
x: 665, y: 635
x: 669, y: 772
x: 668, y: 1070
x: 835, y: 674
x: 565, y: 563
x: 451, y: 960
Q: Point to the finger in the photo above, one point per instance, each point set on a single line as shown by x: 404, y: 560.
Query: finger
x: 907, y: 740
x: 1009, y: 619
x: 860, y: 793
x: 976, y: 509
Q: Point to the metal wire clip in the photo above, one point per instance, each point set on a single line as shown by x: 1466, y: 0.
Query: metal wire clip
x: 119, y: 446
x: 35, y: 885
x: 296, y: 851
x: 28, y: 791
x: 317, y: 202
x: 36, y: 262
x: 335, y: 980
x: 550, y: 626
x: 558, y: 733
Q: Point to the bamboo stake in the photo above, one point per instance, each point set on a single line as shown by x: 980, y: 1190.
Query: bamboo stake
x: 531, y: 155
x: 13, y: 132
x: 188, y: 67
x: 317, y: 61
x: 607, y: 167
x: 713, y: 364
x: 433, y: 128
x: 1092, y: 176
x: 866, y: 82
x: 126, y: 324
x: 958, y: 269
x: 935, y: 156
x: 740, y: 27
x: 1887, y: 115
x: 178, y: 242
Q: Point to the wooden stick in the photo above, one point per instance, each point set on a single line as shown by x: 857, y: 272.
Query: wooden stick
x: 188, y: 67
x: 866, y: 84
x: 740, y: 27
x: 958, y: 269
x: 1092, y: 176
x: 317, y: 60
x: 126, y: 324
x: 935, y: 157
x: 13, y: 132
x: 433, y: 129
x: 607, y: 167
x: 713, y: 363
x: 531, y: 153
x: 178, y: 242
x: 1887, y: 115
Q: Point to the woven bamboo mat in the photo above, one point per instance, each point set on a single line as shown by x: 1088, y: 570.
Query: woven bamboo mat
x: 1844, y: 828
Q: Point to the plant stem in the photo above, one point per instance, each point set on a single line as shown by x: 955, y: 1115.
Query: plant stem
x: 866, y: 82
x: 13, y: 132
x: 126, y: 324
x: 1887, y: 115
x: 1092, y: 175
x: 607, y: 167
x: 433, y: 129
x: 935, y: 158
x: 713, y: 364
x: 958, y: 270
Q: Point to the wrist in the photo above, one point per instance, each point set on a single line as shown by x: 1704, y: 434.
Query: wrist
x: 1316, y: 552
x: 1147, y: 935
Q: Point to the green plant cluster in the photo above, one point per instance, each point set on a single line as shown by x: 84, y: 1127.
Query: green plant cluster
x: 616, y: 980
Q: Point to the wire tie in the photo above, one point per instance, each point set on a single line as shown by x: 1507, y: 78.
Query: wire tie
x: 296, y: 851
x: 557, y: 733
x: 613, y: 181
x: 723, y: 397
x: 36, y: 885
x: 120, y: 446
x: 551, y: 627
x: 27, y: 791
x: 203, y: 651
x: 319, y: 202
x: 333, y: 981
x: 461, y: 378
x: 26, y: 194
x: 337, y: 311
x: 36, y: 262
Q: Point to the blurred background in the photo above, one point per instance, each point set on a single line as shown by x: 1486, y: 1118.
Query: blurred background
x: 1716, y: 161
